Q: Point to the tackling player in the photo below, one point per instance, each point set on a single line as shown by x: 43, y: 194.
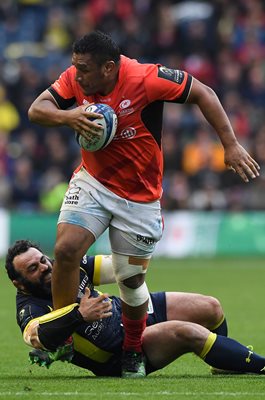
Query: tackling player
x: 89, y: 333
x: 120, y: 187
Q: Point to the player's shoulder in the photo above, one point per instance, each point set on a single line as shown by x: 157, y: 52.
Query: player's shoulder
x: 66, y: 84
x: 67, y: 75
x: 27, y: 300
x: 30, y: 307
x: 71, y: 71
x: 133, y: 68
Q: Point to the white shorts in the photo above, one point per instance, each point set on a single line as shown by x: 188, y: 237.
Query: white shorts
x: 134, y: 228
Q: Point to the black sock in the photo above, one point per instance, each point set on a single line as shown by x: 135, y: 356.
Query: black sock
x: 221, y: 329
x: 228, y: 354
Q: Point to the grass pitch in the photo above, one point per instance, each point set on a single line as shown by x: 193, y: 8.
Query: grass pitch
x: 239, y: 285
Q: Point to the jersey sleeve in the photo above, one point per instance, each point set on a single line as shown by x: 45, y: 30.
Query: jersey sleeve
x: 103, y: 273
x: 88, y: 265
x: 98, y: 269
x: 57, y: 326
x: 42, y: 327
x: 167, y: 84
x: 62, y: 90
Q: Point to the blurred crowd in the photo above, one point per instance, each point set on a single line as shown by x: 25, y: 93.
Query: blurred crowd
x: 220, y: 42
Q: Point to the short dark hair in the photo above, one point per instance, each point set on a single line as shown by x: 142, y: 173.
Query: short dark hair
x: 19, y: 247
x: 99, y: 45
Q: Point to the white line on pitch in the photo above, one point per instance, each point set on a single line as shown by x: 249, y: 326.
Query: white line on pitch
x: 31, y: 393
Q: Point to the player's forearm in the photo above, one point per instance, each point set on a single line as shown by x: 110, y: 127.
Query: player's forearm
x: 46, y: 113
x: 51, y: 330
x: 213, y: 112
x: 216, y: 116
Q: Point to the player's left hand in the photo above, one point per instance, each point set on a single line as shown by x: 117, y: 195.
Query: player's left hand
x: 239, y: 161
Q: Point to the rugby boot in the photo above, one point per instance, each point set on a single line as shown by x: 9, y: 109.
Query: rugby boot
x: 133, y: 365
x: 45, y: 358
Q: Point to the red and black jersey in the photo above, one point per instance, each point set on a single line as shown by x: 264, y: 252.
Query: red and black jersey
x: 132, y: 164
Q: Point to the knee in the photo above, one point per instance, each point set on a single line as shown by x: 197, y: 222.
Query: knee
x: 188, y: 334
x: 129, y: 270
x: 134, y: 297
x: 65, y: 251
x: 135, y: 281
x: 215, y: 312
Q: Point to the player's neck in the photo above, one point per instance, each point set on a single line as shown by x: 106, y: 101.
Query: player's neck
x: 110, y: 85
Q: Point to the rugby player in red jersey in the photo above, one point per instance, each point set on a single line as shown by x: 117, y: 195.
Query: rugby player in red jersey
x: 120, y: 186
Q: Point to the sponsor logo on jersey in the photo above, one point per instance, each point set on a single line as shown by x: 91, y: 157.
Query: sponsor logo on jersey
x: 124, y: 108
x: 95, y: 329
x: 72, y: 196
x: 74, y: 190
x: 147, y: 240
x: 174, y: 75
x: 150, y: 309
x: 83, y: 283
x: 125, y: 111
x: 84, y: 259
x: 127, y: 133
x: 21, y: 314
x: 125, y: 103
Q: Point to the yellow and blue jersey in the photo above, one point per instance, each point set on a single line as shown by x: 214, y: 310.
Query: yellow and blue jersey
x: 97, y: 345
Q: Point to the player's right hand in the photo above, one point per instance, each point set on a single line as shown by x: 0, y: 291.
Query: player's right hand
x: 79, y: 120
x: 95, y: 308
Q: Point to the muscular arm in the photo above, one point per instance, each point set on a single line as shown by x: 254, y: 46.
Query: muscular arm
x: 51, y: 330
x: 213, y: 111
x: 46, y: 111
x: 236, y: 157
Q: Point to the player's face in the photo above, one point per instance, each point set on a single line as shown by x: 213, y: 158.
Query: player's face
x: 91, y: 77
x: 35, y: 269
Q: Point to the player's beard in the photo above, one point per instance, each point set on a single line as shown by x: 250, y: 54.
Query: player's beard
x: 39, y: 289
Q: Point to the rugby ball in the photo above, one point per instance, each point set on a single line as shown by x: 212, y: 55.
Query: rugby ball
x: 109, y: 124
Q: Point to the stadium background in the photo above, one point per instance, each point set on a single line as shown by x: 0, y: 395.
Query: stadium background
x: 222, y: 43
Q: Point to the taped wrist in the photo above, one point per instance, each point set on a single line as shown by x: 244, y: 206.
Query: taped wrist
x: 56, y: 327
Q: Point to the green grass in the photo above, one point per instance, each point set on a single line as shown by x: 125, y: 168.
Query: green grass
x: 239, y: 285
